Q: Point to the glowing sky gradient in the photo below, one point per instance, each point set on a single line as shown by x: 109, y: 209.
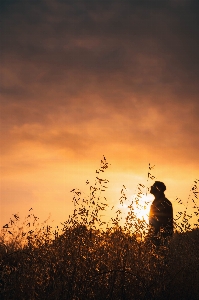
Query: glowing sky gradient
x: 83, y: 79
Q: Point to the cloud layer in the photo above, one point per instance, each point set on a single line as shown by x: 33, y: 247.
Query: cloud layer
x: 84, y: 78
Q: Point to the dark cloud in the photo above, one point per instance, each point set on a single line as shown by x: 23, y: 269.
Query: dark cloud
x: 90, y: 39
x: 129, y: 68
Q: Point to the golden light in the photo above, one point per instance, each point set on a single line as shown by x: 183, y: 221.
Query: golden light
x: 141, y: 206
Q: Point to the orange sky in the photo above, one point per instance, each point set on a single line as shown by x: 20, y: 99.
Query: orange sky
x: 84, y: 79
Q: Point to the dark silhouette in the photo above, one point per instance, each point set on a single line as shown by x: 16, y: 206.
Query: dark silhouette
x: 161, y: 214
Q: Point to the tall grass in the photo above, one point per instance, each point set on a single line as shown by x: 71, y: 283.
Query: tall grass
x: 92, y: 258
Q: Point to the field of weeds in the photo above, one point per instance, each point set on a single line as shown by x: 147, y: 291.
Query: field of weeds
x: 90, y: 259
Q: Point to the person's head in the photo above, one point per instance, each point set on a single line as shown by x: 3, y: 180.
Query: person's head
x: 158, y: 188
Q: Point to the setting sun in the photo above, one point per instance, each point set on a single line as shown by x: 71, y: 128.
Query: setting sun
x: 142, y: 207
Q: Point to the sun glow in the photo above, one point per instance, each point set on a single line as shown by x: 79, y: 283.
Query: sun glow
x: 142, y: 207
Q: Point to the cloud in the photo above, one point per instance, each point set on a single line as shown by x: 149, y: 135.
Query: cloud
x: 82, y: 75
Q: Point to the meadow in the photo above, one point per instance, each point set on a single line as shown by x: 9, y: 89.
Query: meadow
x: 90, y: 258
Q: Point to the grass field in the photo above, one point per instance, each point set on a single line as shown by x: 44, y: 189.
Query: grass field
x: 93, y: 260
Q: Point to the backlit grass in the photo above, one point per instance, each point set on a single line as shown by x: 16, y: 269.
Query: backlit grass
x: 90, y: 258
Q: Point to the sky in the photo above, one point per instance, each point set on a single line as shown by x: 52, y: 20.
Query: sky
x: 83, y: 79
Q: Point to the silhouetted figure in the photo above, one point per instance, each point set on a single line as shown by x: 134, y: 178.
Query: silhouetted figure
x: 161, y: 214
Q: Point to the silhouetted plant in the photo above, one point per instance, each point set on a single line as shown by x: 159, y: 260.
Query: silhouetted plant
x: 90, y: 258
